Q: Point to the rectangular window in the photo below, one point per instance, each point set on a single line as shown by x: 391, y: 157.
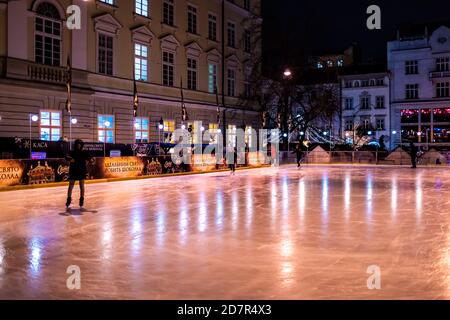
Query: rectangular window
x: 142, y: 7
x: 168, y: 68
x: 141, y: 130
x: 247, y: 4
x: 247, y: 41
x: 105, y: 54
x: 380, y: 124
x: 248, y: 136
x: 366, y: 123
x: 231, y: 81
x: 192, y: 74
x: 412, y: 91
x: 380, y: 102
x: 380, y: 82
x: 411, y: 67
x: 213, y: 131
x: 442, y: 64
x: 212, y: 78
x: 349, y: 125
x: 105, y: 128
x: 212, y: 27
x: 231, y: 135
x: 140, y: 62
x: 168, y: 12
x: 348, y: 103
x: 47, y: 43
x: 365, y: 102
x: 192, y: 19
x: 110, y: 2
x: 231, y: 35
x: 50, y: 124
x: 168, y: 129
x: 442, y: 90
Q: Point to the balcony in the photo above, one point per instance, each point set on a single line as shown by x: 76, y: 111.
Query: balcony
x: 439, y: 74
x: 26, y: 70
x: 38, y: 72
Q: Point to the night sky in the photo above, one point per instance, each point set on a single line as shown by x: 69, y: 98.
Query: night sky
x: 296, y: 28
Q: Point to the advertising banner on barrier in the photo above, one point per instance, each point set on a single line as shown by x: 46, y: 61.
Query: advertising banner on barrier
x: 122, y: 167
x: 11, y: 172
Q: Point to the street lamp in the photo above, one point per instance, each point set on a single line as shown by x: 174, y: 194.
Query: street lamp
x: 32, y: 118
x: 160, y: 127
x: 287, y: 73
x: 106, y: 124
x: 73, y: 121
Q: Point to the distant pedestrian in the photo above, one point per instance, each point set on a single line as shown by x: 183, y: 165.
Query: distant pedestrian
x: 298, y: 153
x: 413, y: 155
x: 78, y: 159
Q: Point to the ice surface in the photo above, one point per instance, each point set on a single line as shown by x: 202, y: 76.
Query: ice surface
x: 273, y: 233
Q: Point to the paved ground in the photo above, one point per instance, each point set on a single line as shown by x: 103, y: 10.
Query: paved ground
x: 273, y: 233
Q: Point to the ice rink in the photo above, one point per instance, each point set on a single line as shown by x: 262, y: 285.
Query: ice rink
x: 273, y: 233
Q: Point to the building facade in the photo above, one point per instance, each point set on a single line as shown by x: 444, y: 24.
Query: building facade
x: 419, y: 61
x: 172, y: 48
x: 365, y: 107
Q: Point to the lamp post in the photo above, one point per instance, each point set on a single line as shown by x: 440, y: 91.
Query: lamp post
x: 73, y: 121
x: 287, y: 76
x: 32, y: 118
x: 160, y: 127
x: 106, y: 124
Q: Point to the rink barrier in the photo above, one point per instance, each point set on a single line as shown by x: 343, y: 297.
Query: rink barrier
x: 398, y: 157
x: 46, y: 171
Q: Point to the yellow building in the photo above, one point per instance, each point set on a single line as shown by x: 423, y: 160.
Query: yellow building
x: 160, y: 43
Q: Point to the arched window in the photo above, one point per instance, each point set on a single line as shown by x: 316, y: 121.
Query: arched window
x: 48, y: 29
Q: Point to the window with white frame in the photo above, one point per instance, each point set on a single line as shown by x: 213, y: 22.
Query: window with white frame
x: 412, y: 91
x: 140, y: 62
x: 380, y: 124
x: 168, y: 68
x: 442, y: 90
x: 349, y: 124
x: 47, y: 38
x: 212, y: 78
x: 141, y: 129
x: 110, y: 2
x: 411, y: 67
x: 142, y: 7
x: 212, y: 27
x: 168, y: 12
x: 50, y: 125
x: 231, y: 81
x: 231, y: 34
x: 442, y: 64
x: 231, y: 135
x: 366, y: 123
x: 348, y: 103
x: 380, y: 102
x: 192, y: 19
x: 168, y: 129
x: 247, y: 41
x: 380, y: 82
x: 105, y: 128
x: 247, y: 84
x: 105, y: 54
x: 213, y: 131
x: 192, y: 73
x: 248, y: 136
x: 364, y: 102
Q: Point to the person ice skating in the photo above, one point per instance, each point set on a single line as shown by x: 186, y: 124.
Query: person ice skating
x: 77, y: 171
x: 233, y: 164
x: 298, y: 153
x: 413, y: 155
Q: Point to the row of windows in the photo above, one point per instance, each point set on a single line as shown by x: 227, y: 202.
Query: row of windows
x: 365, y: 102
x: 51, y: 129
x: 364, y: 83
x: 142, y: 8
x: 442, y: 90
x: 442, y: 65
x: 366, y: 123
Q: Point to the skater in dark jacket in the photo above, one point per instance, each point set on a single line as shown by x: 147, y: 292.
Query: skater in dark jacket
x: 232, y: 165
x: 298, y: 153
x: 78, y: 159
